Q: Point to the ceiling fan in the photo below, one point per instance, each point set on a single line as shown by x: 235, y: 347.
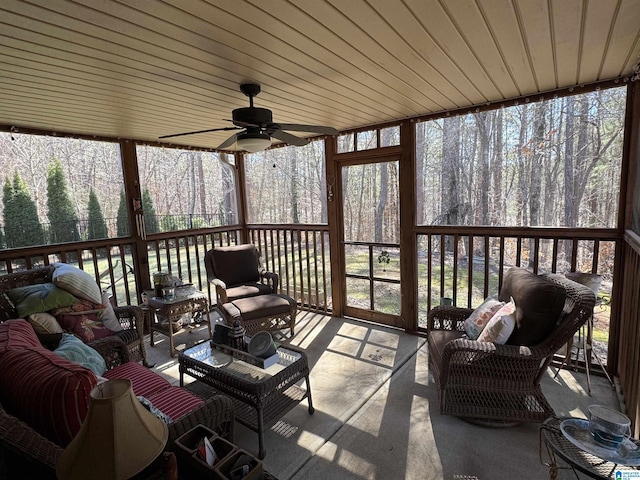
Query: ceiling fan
x: 258, y: 127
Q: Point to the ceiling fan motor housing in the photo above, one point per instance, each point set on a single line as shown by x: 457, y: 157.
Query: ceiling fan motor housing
x: 253, y: 115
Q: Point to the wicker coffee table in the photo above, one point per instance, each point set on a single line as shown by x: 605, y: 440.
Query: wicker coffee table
x: 260, y: 396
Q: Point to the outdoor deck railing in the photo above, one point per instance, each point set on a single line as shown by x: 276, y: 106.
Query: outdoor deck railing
x: 467, y: 264
x: 300, y: 255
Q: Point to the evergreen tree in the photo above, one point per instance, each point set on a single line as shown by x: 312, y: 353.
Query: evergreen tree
x: 122, y: 221
x: 150, y: 218
x: 97, y: 227
x: 9, y: 212
x: 21, y: 222
x: 62, y: 215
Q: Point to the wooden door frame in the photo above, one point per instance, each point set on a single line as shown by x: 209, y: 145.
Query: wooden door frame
x: 405, y: 155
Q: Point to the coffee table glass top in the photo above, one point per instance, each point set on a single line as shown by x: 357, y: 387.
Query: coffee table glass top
x: 215, y: 358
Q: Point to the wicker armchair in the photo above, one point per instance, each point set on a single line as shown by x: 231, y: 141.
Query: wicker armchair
x: 493, y: 384
x: 25, y: 454
x: 130, y: 317
x: 236, y: 273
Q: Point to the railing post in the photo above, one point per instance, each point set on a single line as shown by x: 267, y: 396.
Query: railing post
x: 133, y: 195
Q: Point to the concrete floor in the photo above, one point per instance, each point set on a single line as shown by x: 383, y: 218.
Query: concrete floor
x: 377, y: 414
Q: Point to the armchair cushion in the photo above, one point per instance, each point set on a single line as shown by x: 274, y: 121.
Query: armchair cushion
x: 437, y: 340
x: 237, y: 264
x: 539, y: 303
x: 144, y: 382
x: 248, y: 290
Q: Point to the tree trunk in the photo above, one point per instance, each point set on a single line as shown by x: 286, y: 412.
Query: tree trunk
x: 382, y: 201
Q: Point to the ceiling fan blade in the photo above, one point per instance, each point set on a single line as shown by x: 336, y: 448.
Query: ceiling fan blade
x: 229, y: 141
x: 200, y: 131
x: 244, y: 124
x: 294, y: 127
x: 288, y: 138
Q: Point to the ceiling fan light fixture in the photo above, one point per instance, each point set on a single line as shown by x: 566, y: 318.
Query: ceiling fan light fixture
x: 253, y: 142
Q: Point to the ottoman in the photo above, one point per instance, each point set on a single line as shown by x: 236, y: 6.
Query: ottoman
x: 263, y: 312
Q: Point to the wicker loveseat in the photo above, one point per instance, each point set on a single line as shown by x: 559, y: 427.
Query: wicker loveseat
x: 44, y: 399
x: 131, y: 318
x: 494, y: 384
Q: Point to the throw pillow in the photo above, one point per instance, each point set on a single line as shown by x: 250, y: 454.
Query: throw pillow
x: 87, y: 327
x: 108, y: 316
x: 76, y: 281
x: 75, y: 351
x: 476, y: 322
x: 38, y: 298
x: 79, y: 307
x: 44, y: 323
x: 501, y: 325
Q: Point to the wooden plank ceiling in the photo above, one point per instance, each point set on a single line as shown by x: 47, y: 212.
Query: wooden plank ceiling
x: 144, y: 68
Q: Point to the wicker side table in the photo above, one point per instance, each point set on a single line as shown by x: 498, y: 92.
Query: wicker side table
x: 558, y: 446
x: 173, y: 310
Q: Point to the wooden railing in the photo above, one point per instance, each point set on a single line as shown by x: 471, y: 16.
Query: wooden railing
x: 628, y: 351
x: 447, y: 269
x: 182, y: 253
x: 110, y: 261
x: 300, y: 255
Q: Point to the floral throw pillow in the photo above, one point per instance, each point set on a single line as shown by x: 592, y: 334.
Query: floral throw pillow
x: 476, y: 322
x: 500, y: 327
x: 87, y: 326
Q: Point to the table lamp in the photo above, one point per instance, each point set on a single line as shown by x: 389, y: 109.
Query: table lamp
x: 118, y: 438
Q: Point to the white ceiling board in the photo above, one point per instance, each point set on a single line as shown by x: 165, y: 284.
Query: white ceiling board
x: 144, y: 68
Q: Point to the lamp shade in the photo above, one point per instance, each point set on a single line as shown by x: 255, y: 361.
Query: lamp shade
x: 253, y: 142
x: 118, y: 438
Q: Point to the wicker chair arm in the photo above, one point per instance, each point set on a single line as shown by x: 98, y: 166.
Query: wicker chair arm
x: 216, y: 413
x: 447, y: 318
x: 113, y: 350
x: 27, y: 453
x: 474, y: 359
x: 130, y: 317
x: 221, y: 291
x: 270, y: 278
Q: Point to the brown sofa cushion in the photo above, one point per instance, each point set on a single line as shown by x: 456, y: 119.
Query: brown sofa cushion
x: 539, y: 303
x: 248, y: 290
x: 262, y: 306
x: 236, y: 264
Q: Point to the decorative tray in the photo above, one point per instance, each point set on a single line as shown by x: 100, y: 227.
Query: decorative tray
x: 577, y: 432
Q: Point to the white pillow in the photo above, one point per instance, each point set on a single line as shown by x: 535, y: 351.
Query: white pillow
x: 76, y: 281
x: 501, y: 325
x: 108, y: 315
x: 44, y: 323
x: 476, y: 322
